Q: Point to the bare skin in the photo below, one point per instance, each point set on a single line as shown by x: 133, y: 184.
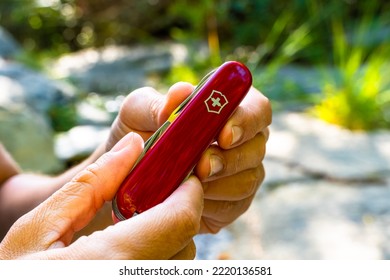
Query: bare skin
x: 231, y: 170
x: 227, y: 178
x: 46, y: 232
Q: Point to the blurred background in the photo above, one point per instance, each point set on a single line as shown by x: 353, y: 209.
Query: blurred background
x: 66, y: 65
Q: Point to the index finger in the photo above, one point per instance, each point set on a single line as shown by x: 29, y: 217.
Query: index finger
x: 251, y: 117
x: 145, y: 109
x: 158, y: 233
x: 74, y: 205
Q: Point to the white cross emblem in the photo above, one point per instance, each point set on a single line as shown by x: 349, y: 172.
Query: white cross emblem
x: 215, y: 102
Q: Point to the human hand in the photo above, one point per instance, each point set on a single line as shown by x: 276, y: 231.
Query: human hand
x: 231, y: 170
x: 162, y: 232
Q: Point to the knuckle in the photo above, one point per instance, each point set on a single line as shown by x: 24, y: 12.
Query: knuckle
x: 239, y: 161
x: 191, y: 251
x: 260, y: 147
x: 225, y: 213
x: 267, y: 111
x: 86, y: 181
x: 254, y: 177
x: 89, y: 174
x: 226, y: 207
x: 154, y: 109
x: 212, y: 226
x: 250, y: 155
x: 258, y: 174
x: 188, y: 221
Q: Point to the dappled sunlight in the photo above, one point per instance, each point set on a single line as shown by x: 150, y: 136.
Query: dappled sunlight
x: 313, y: 219
x: 282, y: 143
x: 327, y: 149
x: 334, y: 238
x: 79, y: 142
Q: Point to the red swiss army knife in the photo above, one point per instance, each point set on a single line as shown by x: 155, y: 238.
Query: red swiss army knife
x: 171, y: 153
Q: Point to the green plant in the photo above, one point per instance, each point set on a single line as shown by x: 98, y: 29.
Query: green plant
x: 63, y: 117
x: 275, y: 52
x: 182, y: 72
x: 358, y: 96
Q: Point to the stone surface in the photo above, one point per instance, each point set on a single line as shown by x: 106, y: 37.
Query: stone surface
x: 26, y: 99
x: 329, y: 150
x: 326, y: 196
x: 8, y: 45
x: 29, y: 138
x: 117, y: 69
x: 79, y: 142
x: 20, y: 84
x: 319, y: 220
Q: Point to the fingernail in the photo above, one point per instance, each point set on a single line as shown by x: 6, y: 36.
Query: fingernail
x: 123, y: 143
x: 237, y: 134
x: 56, y: 245
x: 216, y: 165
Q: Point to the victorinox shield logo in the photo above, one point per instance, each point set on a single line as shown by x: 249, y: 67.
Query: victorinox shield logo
x: 215, y: 102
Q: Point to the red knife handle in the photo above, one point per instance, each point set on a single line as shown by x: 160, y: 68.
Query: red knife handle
x: 173, y: 156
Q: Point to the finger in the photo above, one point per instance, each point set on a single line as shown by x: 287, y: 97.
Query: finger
x: 175, y: 96
x: 236, y: 187
x: 138, y: 114
x: 101, y: 220
x: 188, y: 253
x: 159, y: 233
x: 217, y: 162
x: 266, y: 133
x: 144, y: 110
x: 8, y: 165
x: 219, y: 214
x: 74, y: 205
x: 251, y: 117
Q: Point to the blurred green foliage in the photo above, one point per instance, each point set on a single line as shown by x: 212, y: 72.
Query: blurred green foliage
x: 358, y: 96
x: 267, y: 27
x: 267, y: 35
x: 63, y: 117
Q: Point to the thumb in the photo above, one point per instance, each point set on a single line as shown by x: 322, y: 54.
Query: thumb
x: 158, y: 233
x: 74, y: 205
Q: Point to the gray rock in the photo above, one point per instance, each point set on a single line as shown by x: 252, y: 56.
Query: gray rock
x: 22, y: 85
x: 308, y: 220
x: 117, y: 69
x: 29, y: 139
x: 328, y: 150
x: 317, y: 220
x: 26, y: 98
x: 213, y: 247
x: 98, y: 110
x: 8, y: 45
x: 10, y: 91
x: 79, y: 142
x: 326, y: 196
